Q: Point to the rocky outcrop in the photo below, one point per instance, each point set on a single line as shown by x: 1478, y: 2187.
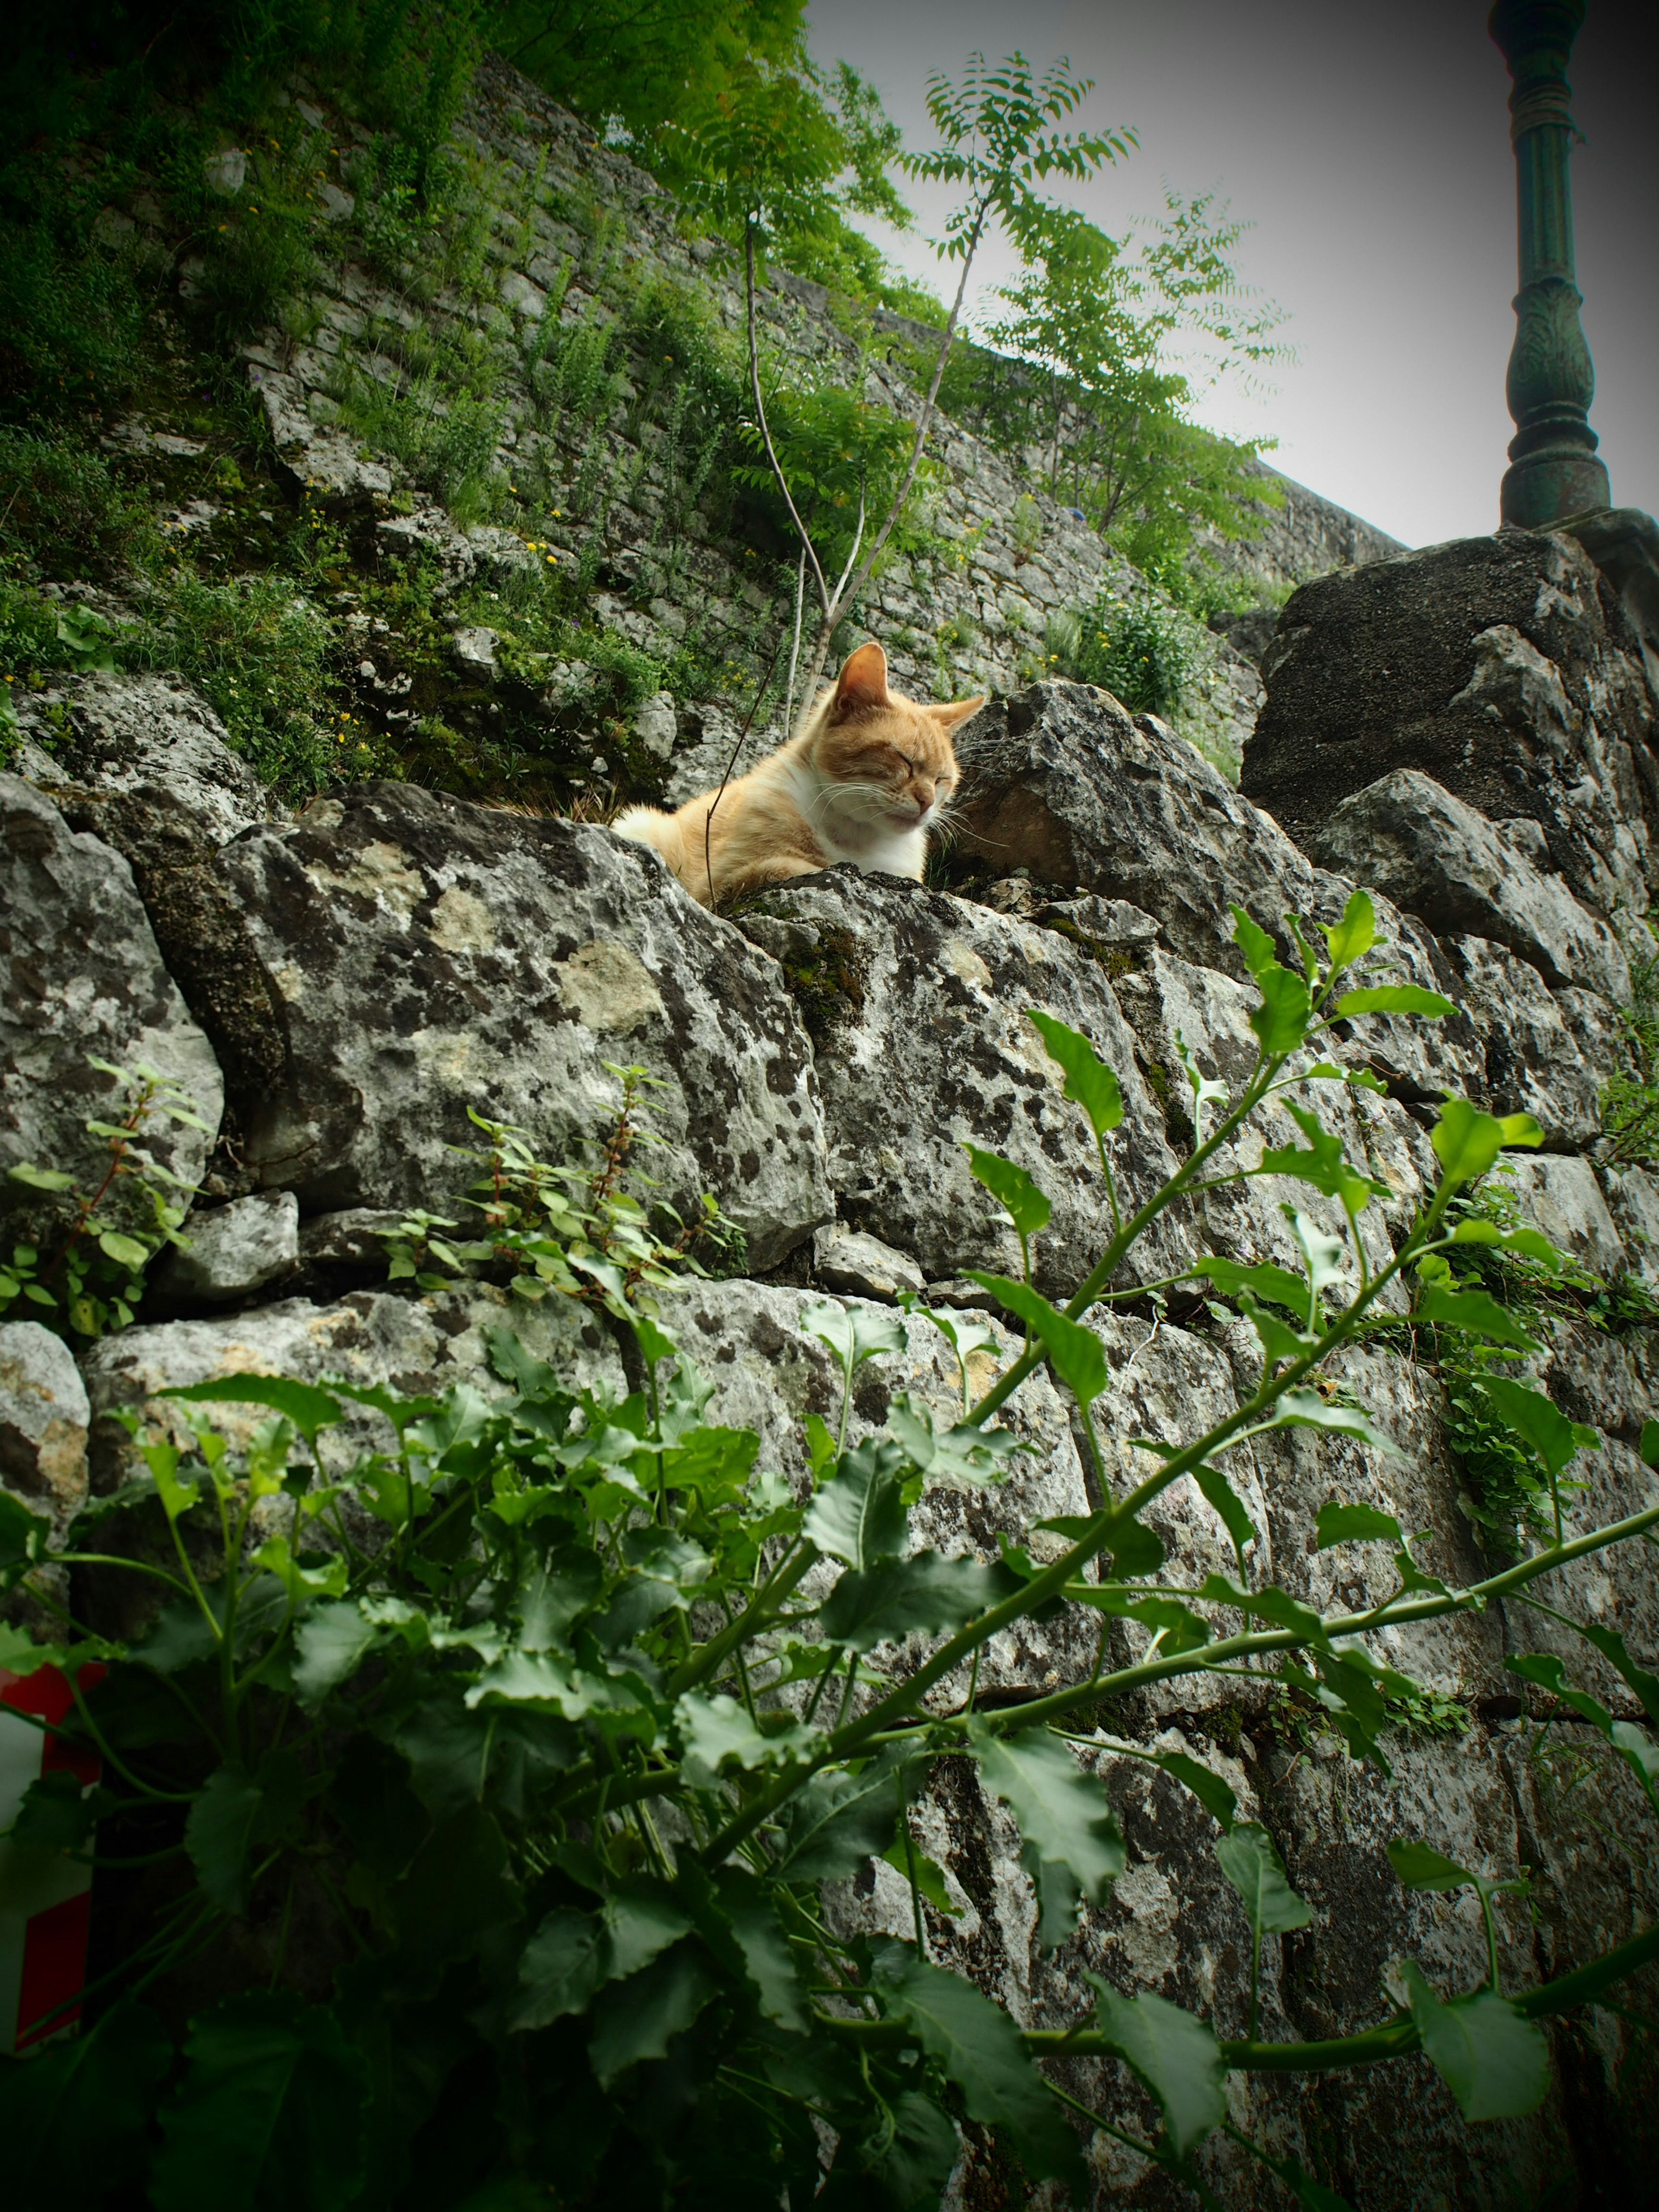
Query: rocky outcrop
x: 432, y: 957
x: 1491, y: 665
x: 917, y: 1006
x: 1438, y: 859
x: 825, y: 1055
x: 82, y: 980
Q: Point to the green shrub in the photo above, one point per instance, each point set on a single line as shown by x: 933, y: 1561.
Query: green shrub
x: 1140, y: 647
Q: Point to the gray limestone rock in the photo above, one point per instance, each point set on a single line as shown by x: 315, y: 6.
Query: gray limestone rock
x: 432, y: 956
x: 1488, y: 665
x: 81, y: 977
x: 1059, y: 780
x: 151, y: 734
x: 847, y: 1259
x: 916, y: 1006
x: 1559, y: 1195
x: 654, y: 724
x: 321, y: 459
x: 1394, y: 2134
x: 44, y: 1418
x: 1633, y: 1196
x: 1438, y: 859
x: 235, y: 1250
x: 1530, y: 1061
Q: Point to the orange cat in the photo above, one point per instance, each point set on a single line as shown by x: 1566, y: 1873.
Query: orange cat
x: 864, y: 779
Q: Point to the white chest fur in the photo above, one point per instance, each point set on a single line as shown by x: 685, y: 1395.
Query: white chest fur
x: 849, y: 823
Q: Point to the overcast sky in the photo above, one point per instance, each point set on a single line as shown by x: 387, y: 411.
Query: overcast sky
x: 1369, y: 147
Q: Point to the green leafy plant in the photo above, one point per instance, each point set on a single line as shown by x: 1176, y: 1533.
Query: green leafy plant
x: 1630, y: 1104
x: 96, y: 1245
x: 572, y: 1229
x: 522, y: 1736
x: 1136, y: 645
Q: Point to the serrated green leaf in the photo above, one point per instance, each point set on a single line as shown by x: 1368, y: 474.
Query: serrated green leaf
x: 310, y: 1409
x: 978, y: 2047
x: 853, y: 1333
x: 1076, y: 1353
x: 1089, y: 1082
x: 1532, y: 1241
x: 1476, y: 1312
x: 1280, y: 1022
x: 1466, y: 1141
x: 1025, y: 1206
x: 1494, y: 2059
x: 716, y: 1728
x: 1212, y: 1792
x: 1224, y: 1501
x: 1252, y: 1865
x: 1354, y: 1524
x: 1175, y: 2054
x: 272, y: 2111
x: 236, y: 1811
x: 23, y: 1536
x: 641, y: 1918
x: 1418, y: 1866
x: 561, y: 1968
x: 1611, y: 1645
x: 1394, y: 998
x: 964, y: 1456
x: 897, y: 1597
x: 639, y: 2018
x: 858, y: 1516
x: 929, y: 1877
x: 329, y: 1645
x: 839, y: 1820
x: 1062, y: 1812
x: 769, y: 1962
x: 1253, y: 943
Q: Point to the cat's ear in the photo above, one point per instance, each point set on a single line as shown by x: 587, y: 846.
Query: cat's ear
x: 862, y: 684
x: 956, y: 710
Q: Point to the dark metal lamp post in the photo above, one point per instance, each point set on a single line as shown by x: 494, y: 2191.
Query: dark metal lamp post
x: 1553, y: 470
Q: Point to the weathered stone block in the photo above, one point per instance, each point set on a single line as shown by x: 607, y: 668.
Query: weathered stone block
x: 916, y: 1003
x: 432, y: 957
x: 80, y: 976
x: 1438, y: 859
x: 1486, y: 664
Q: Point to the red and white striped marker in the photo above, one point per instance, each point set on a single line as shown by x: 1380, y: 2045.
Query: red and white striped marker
x: 46, y: 1898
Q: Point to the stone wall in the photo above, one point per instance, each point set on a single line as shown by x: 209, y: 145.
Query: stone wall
x: 825, y: 1055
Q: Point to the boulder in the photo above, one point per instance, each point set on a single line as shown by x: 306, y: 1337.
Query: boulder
x: 82, y: 978
x: 153, y: 734
x: 1559, y: 1195
x: 432, y: 957
x: 235, y: 1250
x: 1530, y: 1061
x: 1436, y: 858
x: 847, y: 1259
x: 1633, y: 1196
x: 44, y: 1417
x: 916, y: 1006
x: 319, y: 458
x: 1061, y: 782
x: 1487, y: 664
